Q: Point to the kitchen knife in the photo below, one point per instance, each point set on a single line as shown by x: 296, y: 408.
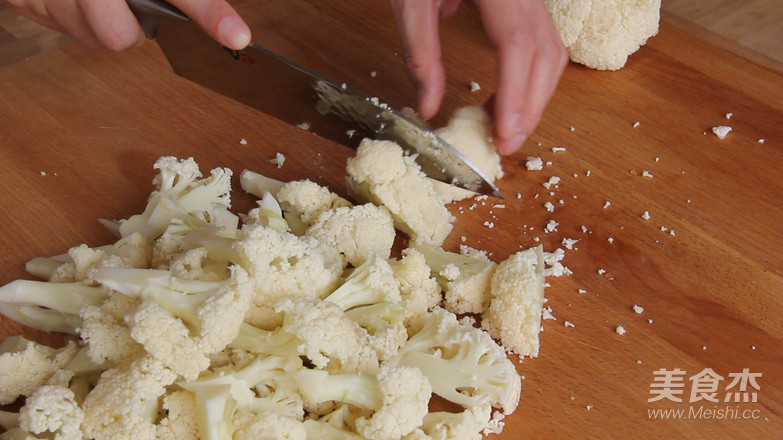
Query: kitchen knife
x: 295, y: 94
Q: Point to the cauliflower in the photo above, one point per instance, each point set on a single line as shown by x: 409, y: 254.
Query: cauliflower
x: 419, y: 291
x: 514, y: 313
x: 465, y: 425
x: 380, y: 173
x: 104, y: 330
x: 27, y: 365
x: 356, y: 231
x: 181, y: 193
x: 268, y: 425
x: 49, y: 306
x: 180, y: 422
x: 125, y: 401
x: 602, y: 34
x: 398, y: 397
x: 182, y: 322
x: 283, y: 264
x: 469, y: 131
x: 464, y: 364
x: 242, y: 392
x: 131, y: 251
x: 306, y: 200
x: 52, y: 409
x: 464, y: 277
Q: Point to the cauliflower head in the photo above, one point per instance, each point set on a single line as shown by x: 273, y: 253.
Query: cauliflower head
x: 601, y: 34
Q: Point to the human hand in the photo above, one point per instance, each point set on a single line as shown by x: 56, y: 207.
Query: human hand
x: 531, y: 58
x: 111, y: 24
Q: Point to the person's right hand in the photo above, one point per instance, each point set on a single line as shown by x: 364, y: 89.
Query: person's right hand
x: 111, y: 24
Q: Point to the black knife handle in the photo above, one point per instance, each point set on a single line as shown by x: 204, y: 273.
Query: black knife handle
x: 149, y: 12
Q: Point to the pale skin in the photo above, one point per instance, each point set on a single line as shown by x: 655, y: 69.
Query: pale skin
x: 530, y: 55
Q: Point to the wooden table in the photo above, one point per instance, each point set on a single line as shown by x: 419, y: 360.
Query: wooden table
x: 80, y: 131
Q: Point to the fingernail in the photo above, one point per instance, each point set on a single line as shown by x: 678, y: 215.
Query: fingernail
x: 234, y: 32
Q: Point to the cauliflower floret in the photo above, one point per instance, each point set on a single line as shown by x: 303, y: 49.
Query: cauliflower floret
x: 180, y: 422
x: 52, y: 409
x: 601, y: 35
x: 463, y: 363
x: 131, y: 251
x: 356, y: 231
x: 398, y: 397
x: 464, y: 277
x: 308, y: 200
x: 268, y: 425
x: 419, y: 291
x: 469, y: 131
x: 104, y: 330
x: 514, y: 314
x: 283, y: 264
x: 380, y: 173
x: 27, y: 365
x: 125, y: 401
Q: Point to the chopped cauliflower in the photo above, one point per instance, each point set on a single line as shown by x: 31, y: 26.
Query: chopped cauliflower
x: 514, y: 314
x: 602, y: 34
x: 469, y: 131
x: 52, y: 409
x: 27, y: 365
x: 380, y: 173
x: 356, y: 232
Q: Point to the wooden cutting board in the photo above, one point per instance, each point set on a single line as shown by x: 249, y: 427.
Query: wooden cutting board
x: 80, y: 130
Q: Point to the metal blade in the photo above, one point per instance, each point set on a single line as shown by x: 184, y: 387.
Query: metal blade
x: 293, y: 93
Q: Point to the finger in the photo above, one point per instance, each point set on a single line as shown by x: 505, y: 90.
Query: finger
x: 219, y: 20
x: 417, y: 23
x: 529, y: 65
x: 114, y: 24
x: 69, y: 19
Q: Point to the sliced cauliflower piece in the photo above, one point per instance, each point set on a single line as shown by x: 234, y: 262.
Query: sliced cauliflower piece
x: 514, y: 313
x: 380, y: 173
x: 356, y: 232
x: 27, y: 365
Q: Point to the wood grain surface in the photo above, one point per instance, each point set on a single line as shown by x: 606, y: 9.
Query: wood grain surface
x: 80, y: 130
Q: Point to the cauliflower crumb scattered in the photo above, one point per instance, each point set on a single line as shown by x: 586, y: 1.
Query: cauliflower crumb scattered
x: 278, y: 160
x: 550, y: 207
x: 558, y: 149
x: 646, y: 173
x: 729, y: 115
x: 534, y: 164
x: 568, y: 324
x: 243, y: 141
x: 553, y: 181
x: 620, y: 330
x: 638, y: 309
x: 551, y: 226
x: 474, y: 86
x: 610, y: 239
x: 569, y: 243
x: 646, y: 215
x: 636, y: 124
x: 721, y: 131
x: 607, y: 204
x: 761, y: 141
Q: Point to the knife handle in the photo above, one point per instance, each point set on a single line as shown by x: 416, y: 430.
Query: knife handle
x: 148, y: 12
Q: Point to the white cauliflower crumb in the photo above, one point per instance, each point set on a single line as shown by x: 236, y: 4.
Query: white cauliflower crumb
x: 534, y: 163
x: 646, y: 215
x: 551, y: 226
x: 550, y: 207
x: 638, y: 309
x: 721, y: 131
x: 546, y: 313
x: 729, y: 115
x: 474, y: 86
x: 569, y: 243
x: 610, y: 239
x: 43, y: 173
x: 607, y: 204
x: 304, y: 125
x: 373, y: 74
x: 558, y: 149
x: 278, y: 160
x: 553, y: 181
x: 350, y: 133
x: 568, y: 324
x: 636, y: 124
x: 646, y: 173
x: 620, y: 330
x: 761, y: 141
x: 243, y: 141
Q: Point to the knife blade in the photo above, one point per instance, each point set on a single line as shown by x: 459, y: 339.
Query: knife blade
x: 293, y: 93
